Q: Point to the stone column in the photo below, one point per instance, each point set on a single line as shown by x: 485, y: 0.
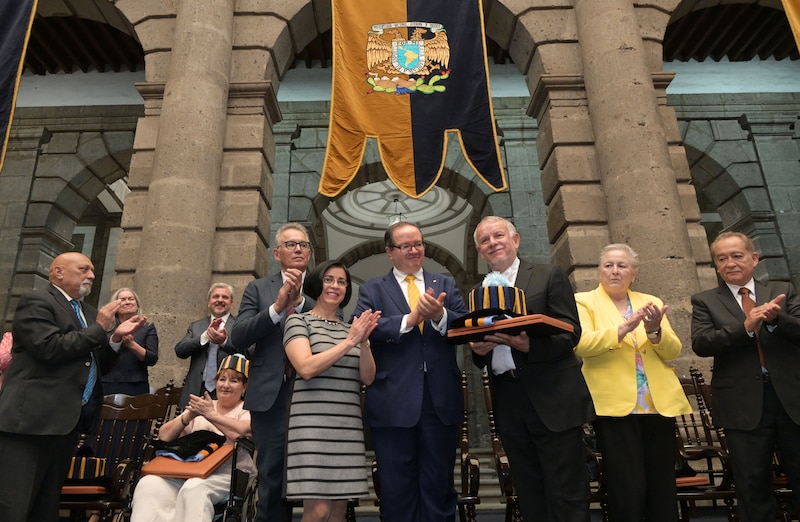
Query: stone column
x: 176, y: 245
x: 632, y: 138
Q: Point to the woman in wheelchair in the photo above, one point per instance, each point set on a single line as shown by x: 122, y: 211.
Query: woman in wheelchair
x: 175, y: 500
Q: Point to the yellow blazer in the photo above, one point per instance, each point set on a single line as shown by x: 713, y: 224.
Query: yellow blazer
x: 609, y: 365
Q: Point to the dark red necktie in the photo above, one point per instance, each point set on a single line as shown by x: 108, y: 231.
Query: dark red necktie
x: 747, y: 305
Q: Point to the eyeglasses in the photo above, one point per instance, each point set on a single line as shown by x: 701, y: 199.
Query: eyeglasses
x: 330, y: 280
x: 406, y: 247
x: 291, y: 245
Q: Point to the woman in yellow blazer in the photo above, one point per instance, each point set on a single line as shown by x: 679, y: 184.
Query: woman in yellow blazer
x: 625, y: 340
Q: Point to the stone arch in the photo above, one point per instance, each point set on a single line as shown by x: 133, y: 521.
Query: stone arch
x: 729, y: 181
x: 64, y: 187
x: 466, y: 186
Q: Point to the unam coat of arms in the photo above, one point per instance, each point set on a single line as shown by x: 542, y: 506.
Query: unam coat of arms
x: 400, y: 65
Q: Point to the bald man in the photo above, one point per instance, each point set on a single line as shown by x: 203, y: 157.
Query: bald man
x: 48, y: 397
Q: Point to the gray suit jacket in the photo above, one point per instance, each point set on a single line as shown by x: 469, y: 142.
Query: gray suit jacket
x: 190, y: 346
x: 255, y: 326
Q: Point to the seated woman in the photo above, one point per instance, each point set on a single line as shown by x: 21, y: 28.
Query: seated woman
x: 139, y: 350
x: 167, y: 499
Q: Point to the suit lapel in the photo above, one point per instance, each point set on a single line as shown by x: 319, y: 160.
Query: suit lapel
x: 524, y: 274
x: 61, y: 301
x: 275, y: 284
x: 762, y: 293
x: 395, y: 293
x: 728, y: 301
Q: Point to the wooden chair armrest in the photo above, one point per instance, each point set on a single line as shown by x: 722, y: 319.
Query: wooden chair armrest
x: 705, y: 452
x: 597, y: 458
x: 504, y: 474
x: 470, y: 476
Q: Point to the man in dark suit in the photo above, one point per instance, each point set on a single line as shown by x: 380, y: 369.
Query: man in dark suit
x: 540, y: 397
x: 52, y: 390
x: 756, y: 371
x: 265, y: 305
x: 415, y: 404
x: 208, y: 336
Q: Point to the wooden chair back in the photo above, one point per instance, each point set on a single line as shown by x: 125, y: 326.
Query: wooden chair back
x: 125, y: 427
x: 502, y: 465
x: 470, y: 466
x: 693, y: 430
x: 172, y: 396
x: 702, y: 397
x: 126, y: 423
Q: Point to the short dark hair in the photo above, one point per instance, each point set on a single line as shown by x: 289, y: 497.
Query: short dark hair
x: 312, y: 285
x: 388, y: 237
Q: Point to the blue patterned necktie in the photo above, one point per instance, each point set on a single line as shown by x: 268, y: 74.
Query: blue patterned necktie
x: 90, y: 382
x: 210, y: 376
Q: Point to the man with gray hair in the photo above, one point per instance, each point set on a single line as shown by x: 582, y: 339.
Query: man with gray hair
x: 266, y: 303
x: 539, y: 394
x: 207, y: 342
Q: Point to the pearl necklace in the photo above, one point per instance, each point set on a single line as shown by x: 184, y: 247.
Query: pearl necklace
x: 323, y: 318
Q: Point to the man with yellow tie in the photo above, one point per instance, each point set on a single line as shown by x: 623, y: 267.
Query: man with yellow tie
x: 415, y: 405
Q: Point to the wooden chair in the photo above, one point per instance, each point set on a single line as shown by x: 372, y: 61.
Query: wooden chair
x: 696, y: 440
x: 783, y: 493
x: 125, y: 427
x: 172, y: 396
x: 594, y: 461
x: 502, y: 465
x: 469, y: 465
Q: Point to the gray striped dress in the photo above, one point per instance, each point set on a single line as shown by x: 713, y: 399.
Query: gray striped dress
x: 325, y: 456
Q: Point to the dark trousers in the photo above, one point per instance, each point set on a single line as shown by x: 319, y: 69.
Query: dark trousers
x: 752, y: 456
x: 269, y: 434
x: 32, y: 470
x: 415, y: 468
x: 639, y: 463
x: 127, y: 388
x: 549, y: 468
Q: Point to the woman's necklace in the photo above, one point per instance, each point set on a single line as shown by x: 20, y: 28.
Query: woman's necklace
x: 329, y: 321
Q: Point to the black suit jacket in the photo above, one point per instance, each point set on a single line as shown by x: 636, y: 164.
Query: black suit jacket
x: 551, y: 372
x: 190, y: 346
x: 43, y: 386
x: 718, y: 331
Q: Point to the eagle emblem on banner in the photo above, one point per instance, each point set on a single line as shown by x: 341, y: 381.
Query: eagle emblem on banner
x: 400, y: 65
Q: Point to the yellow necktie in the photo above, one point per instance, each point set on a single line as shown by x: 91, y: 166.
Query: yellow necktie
x: 413, y: 295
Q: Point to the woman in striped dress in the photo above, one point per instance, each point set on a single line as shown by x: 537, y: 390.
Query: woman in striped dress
x: 325, y: 450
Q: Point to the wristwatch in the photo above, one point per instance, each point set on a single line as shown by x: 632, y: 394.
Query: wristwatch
x: 654, y: 334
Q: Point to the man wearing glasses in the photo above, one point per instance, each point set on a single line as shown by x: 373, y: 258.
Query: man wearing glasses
x: 415, y: 405
x: 266, y: 303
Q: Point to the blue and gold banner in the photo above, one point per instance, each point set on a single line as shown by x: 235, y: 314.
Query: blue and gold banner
x: 16, y: 18
x: 408, y: 73
x: 792, y: 8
